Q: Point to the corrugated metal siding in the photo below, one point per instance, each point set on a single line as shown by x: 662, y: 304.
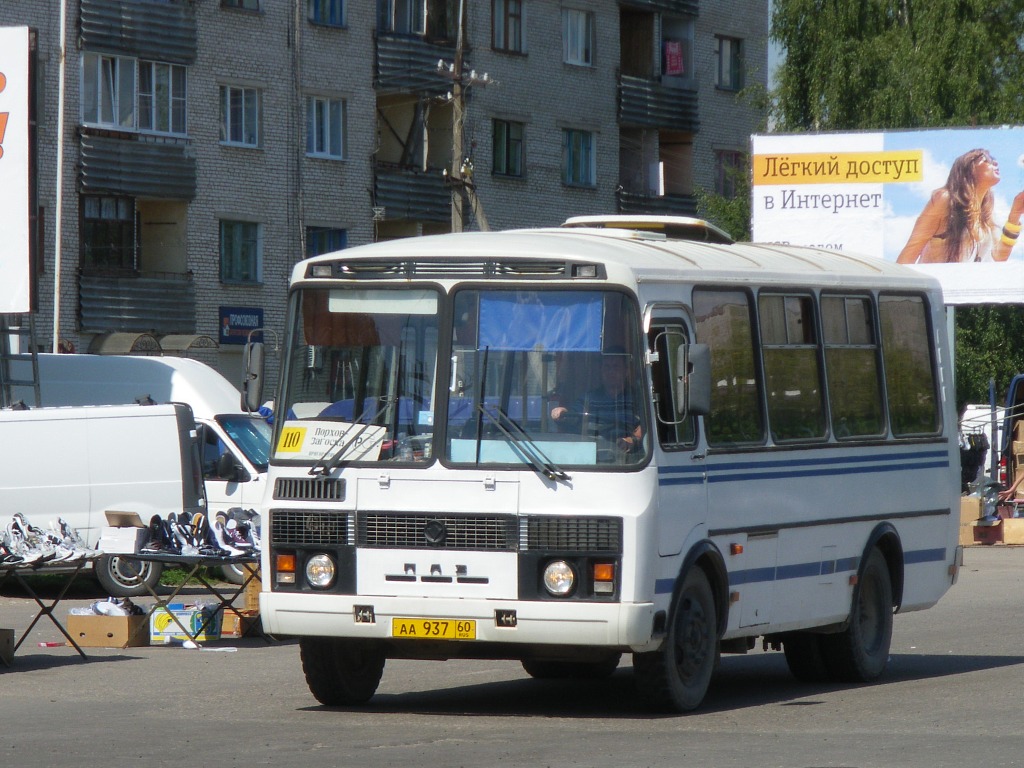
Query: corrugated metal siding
x: 149, y: 303
x: 409, y: 64
x: 650, y: 104
x: 161, y: 171
x: 683, y: 7
x: 412, y: 196
x: 146, y: 29
x: 667, y: 205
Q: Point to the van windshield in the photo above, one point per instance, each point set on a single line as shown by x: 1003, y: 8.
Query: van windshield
x: 251, y: 435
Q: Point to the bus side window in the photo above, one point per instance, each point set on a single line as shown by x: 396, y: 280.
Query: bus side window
x: 673, y: 432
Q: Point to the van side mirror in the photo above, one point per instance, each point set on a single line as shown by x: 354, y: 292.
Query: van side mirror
x: 693, y: 379
x: 229, y: 469
x: 252, y: 383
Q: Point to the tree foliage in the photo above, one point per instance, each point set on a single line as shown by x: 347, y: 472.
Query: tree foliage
x: 889, y: 64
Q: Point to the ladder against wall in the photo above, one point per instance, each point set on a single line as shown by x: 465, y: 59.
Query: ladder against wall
x: 19, y: 361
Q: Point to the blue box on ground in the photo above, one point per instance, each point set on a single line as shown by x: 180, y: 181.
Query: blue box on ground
x: 164, y: 630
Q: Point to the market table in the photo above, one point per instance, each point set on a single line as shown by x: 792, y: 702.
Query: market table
x: 194, y: 565
x: 18, y: 571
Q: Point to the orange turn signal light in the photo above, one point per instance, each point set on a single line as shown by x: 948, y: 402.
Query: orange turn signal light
x: 604, y: 571
x: 285, y: 564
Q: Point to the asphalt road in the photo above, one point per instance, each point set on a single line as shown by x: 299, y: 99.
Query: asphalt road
x: 952, y: 696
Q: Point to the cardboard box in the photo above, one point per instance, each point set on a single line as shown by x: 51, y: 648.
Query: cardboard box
x: 122, y: 541
x: 108, y: 631
x: 6, y: 646
x: 242, y: 624
x: 1013, y: 530
x: 163, y: 629
x: 989, y: 534
x: 970, y: 511
x: 252, y: 594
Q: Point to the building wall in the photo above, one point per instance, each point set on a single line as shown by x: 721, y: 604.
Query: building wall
x: 285, y: 191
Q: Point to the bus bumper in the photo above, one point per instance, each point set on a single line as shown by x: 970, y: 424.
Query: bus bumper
x: 623, y: 626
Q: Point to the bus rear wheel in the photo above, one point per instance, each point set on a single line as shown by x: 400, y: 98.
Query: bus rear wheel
x: 676, y: 677
x: 860, y: 653
x: 548, y: 669
x: 340, y: 672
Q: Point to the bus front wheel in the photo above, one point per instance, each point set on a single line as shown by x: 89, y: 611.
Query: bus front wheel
x: 860, y: 653
x: 676, y: 677
x: 340, y: 672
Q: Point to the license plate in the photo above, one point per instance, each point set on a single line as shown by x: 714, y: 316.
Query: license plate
x: 434, y: 629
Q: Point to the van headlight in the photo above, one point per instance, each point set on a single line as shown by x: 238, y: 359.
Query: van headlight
x: 320, y: 571
x: 559, y: 578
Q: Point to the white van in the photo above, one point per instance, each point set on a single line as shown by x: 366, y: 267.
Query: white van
x: 235, y: 445
x: 76, y: 464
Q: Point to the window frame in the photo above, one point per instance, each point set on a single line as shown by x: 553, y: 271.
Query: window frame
x: 507, y: 149
x: 578, y: 44
x: 329, y: 234
x: 579, y: 171
x: 728, y: 164
x: 729, y: 63
x: 176, y: 108
x: 227, y: 122
x: 327, y: 13
x: 508, y: 26
x: 320, y: 127
x: 128, y: 262
x: 232, y: 267
x: 242, y: 5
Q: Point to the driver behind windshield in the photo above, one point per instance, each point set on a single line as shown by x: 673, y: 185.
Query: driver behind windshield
x: 606, y: 410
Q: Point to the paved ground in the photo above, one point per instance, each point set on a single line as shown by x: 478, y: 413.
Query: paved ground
x: 951, y: 697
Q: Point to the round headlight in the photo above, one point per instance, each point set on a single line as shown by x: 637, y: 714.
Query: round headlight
x: 320, y: 571
x: 559, y: 578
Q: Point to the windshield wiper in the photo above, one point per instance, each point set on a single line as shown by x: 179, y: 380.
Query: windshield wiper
x: 520, y: 440
x: 326, y: 467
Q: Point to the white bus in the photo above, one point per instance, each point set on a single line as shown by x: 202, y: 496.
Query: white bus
x: 621, y: 435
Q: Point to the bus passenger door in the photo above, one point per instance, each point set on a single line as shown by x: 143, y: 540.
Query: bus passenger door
x: 682, y: 476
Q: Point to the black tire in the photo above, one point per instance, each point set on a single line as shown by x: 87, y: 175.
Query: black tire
x: 234, y: 574
x: 546, y: 669
x: 340, y: 672
x: 125, y: 577
x: 804, y: 657
x: 860, y: 653
x: 676, y: 677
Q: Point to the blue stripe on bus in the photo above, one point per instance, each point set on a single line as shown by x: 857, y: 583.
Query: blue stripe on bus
x: 818, y: 467
x: 806, y: 570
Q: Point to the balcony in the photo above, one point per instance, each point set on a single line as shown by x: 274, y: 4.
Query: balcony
x: 665, y: 205
x: 136, y: 166
x: 680, y: 7
x: 408, y: 64
x: 649, y: 104
x: 150, y: 302
x: 411, y: 195
x: 146, y: 29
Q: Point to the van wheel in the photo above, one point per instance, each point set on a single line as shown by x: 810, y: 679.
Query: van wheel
x: 340, y: 672
x: 676, y: 677
x: 548, y: 669
x: 860, y: 653
x: 127, y: 579
x: 234, y: 574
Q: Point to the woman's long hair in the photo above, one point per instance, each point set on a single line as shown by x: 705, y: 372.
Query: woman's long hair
x: 968, y: 217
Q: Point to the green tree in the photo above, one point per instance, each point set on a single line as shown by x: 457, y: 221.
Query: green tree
x: 887, y: 64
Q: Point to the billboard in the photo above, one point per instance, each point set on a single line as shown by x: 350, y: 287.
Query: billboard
x: 14, y: 171
x: 948, y: 202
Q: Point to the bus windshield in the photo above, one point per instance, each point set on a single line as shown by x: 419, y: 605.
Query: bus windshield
x: 545, y: 378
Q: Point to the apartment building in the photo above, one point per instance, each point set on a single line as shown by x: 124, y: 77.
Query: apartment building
x: 210, y: 144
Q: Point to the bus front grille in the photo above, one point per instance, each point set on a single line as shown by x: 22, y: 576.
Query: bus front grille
x: 429, y: 531
x: 309, y: 489
x: 572, y: 534
x: 309, y: 527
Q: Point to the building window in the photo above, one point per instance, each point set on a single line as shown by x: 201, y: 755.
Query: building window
x: 240, y: 248
x: 161, y: 97
x: 330, y: 12
x: 728, y: 63
x: 325, y: 240
x: 507, y: 30
x: 402, y: 16
x: 325, y: 127
x: 729, y: 165
x: 239, y: 115
x: 245, y: 5
x: 577, y: 37
x: 578, y: 164
x: 508, y: 148
x: 108, y: 239
x: 131, y: 95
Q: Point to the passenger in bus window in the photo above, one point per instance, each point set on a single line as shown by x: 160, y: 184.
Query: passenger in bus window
x: 957, y: 224
x: 607, y: 410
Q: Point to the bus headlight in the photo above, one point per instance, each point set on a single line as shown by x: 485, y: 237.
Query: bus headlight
x: 320, y: 571
x: 559, y: 578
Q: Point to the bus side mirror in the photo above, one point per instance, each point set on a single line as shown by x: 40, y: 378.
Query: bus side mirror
x: 252, y: 384
x: 693, y: 379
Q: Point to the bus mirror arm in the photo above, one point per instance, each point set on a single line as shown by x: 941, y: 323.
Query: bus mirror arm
x: 693, y: 379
